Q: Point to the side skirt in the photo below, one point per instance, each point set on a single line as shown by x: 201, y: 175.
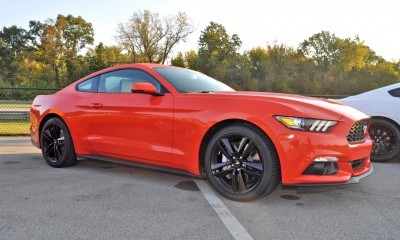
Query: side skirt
x: 140, y: 165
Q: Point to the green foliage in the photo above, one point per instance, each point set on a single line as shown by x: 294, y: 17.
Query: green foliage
x: 192, y: 60
x: 217, y: 50
x: 104, y: 56
x: 323, y: 64
x: 13, y: 42
x: 58, y: 43
x: 54, y: 53
x: 178, y: 61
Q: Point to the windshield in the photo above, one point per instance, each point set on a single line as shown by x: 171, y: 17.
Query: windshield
x: 187, y: 81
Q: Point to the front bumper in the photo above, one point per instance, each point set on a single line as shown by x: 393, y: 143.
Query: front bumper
x: 355, y: 179
x: 297, y: 150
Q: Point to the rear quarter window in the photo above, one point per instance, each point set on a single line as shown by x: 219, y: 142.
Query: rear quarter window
x: 89, y: 85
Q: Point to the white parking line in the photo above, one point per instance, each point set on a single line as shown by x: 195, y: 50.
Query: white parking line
x: 18, y: 150
x: 232, y: 224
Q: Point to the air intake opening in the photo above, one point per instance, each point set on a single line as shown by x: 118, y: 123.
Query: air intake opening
x: 357, y: 163
x: 321, y: 168
x: 358, y: 132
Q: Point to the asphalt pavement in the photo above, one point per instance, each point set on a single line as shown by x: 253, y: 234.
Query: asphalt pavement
x: 96, y: 200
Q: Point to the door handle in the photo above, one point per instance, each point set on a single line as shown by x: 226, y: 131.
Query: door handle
x: 95, y: 105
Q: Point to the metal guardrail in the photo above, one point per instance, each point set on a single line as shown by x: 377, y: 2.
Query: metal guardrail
x: 14, y: 109
x: 14, y: 115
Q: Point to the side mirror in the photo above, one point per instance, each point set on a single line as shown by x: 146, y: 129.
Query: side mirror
x: 146, y: 88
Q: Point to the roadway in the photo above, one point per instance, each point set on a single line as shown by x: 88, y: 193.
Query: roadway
x: 96, y: 200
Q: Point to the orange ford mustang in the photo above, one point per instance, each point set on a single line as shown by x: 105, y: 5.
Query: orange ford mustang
x: 176, y: 119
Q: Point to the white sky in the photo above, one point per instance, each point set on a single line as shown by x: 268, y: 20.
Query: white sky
x: 255, y: 21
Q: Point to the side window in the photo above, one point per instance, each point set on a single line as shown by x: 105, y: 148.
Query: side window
x: 121, y: 81
x: 87, y: 85
x: 395, y: 92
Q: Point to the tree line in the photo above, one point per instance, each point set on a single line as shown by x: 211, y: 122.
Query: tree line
x: 59, y: 51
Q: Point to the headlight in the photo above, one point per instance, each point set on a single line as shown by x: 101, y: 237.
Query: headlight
x: 306, y: 124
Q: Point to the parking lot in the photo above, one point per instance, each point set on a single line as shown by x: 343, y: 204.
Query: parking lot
x: 96, y: 200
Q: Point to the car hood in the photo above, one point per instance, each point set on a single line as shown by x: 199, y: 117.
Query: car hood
x: 302, y: 106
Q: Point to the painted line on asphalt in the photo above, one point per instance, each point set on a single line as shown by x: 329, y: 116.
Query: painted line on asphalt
x: 231, y: 223
x: 18, y: 150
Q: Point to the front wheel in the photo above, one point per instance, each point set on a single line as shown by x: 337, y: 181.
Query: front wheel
x: 56, y: 143
x: 386, y: 137
x: 241, y: 163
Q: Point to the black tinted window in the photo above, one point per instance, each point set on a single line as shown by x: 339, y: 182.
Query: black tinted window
x: 121, y: 81
x: 185, y: 80
x: 395, y: 92
x: 87, y: 86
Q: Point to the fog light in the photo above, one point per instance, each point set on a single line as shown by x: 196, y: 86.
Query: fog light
x: 326, y: 159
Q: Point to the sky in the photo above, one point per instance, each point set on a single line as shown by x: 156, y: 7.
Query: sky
x: 257, y: 22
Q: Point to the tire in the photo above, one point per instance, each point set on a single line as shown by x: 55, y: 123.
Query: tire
x: 241, y: 163
x: 386, y: 137
x: 56, y: 144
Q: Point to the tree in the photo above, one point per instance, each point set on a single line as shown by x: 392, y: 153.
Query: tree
x: 354, y: 54
x: 192, y: 60
x: 75, y: 34
x: 148, y: 37
x: 257, y: 57
x: 59, y: 42
x: 188, y: 60
x: 323, y: 48
x: 49, y: 48
x: 217, y: 51
x: 104, y: 56
x: 274, y: 67
x: 215, y: 43
x: 179, y: 60
x: 13, y: 42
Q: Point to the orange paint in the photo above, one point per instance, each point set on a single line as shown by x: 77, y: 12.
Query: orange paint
x: 168, y: 130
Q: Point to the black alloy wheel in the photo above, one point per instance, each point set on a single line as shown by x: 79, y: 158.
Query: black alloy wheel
x: 241, y: 163
x: 56, y: 144
x: 386, y: 135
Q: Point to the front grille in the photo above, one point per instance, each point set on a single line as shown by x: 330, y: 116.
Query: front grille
x: 358, y: 131
x: 357, y: 163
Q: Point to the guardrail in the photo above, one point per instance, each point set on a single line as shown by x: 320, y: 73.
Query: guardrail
x: 14, y: 115
x: 14, y: 108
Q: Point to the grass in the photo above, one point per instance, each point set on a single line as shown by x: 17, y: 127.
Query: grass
x: 14, y: 128
x: 14, y: 105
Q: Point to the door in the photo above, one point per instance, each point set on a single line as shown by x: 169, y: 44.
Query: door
x: 127, y: 125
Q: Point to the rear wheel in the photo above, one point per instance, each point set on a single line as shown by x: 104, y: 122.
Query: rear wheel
x: 56, y: 143
x: 386, y: 137
x: 241, y: 163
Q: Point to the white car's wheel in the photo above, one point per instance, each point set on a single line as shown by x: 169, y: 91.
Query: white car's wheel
x: 386, y: 137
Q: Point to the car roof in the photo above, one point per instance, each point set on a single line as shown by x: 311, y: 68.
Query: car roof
x: 123, y: 66
x: 386, y: 88
x: 383, y: 91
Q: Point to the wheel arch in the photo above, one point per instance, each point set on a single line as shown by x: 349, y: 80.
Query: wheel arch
x: 45, y: 119
x: 388, y: 119
x: 221, y: 124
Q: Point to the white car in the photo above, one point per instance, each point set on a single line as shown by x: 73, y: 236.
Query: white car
x: 383, y: 105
